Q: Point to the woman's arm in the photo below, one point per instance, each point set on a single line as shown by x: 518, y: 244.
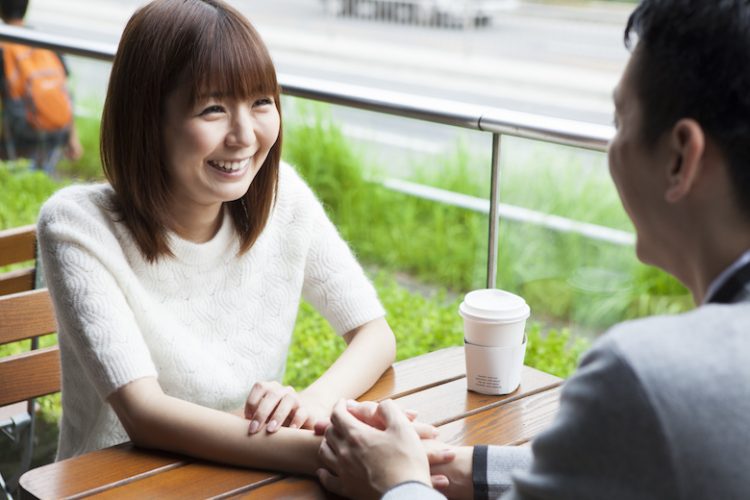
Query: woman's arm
x: 153, y: 419
x: 370, y: 351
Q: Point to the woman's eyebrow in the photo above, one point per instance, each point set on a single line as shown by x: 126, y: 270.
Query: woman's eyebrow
x: 210, y: 95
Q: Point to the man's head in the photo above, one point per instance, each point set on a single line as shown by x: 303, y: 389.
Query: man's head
x: 692, y: 60
x: 681, y: 156
x: 13, y: 10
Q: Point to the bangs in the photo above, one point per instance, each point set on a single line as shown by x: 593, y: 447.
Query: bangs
x: 231, y: 60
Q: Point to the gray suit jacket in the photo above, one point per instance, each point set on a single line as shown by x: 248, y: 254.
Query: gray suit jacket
x: 658, y: 409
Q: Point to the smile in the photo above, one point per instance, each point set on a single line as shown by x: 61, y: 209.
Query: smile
x: 229, y: 166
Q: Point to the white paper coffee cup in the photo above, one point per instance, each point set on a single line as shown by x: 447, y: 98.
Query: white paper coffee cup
x: 494, y: 370
x: 494, y: 318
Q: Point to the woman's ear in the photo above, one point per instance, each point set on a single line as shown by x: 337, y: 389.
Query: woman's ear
x: 687, y: 144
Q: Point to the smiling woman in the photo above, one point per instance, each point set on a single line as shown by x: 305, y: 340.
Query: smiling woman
x: 176, y: 285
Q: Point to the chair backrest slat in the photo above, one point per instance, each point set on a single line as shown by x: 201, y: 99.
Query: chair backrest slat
x: 26, y: 315
x: 16, y: 281
x: 17, y: 244
x: 29, y: 375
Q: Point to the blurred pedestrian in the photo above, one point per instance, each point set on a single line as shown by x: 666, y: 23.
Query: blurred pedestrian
x: 37, y: 109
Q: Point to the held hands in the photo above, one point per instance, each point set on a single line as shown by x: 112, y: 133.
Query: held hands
x: 370, y: 448
x: 276, y: 406
x: 364, y: 461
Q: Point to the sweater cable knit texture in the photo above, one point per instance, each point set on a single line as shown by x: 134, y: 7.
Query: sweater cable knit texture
x: 208, y: 323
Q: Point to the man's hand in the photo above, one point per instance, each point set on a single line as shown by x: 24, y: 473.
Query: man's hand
x: 364, y: 461
x: 367, y: 412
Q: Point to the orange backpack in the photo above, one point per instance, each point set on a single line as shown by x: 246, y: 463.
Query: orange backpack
x: 36, y: 79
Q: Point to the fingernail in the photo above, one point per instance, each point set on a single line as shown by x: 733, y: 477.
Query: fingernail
x: 435, y: 431
x: 272, y: 425
x: 440, y: 481
x: 254, y: 426
x: 411, y: 413
x: 293, y: 426
x: 350, y: 403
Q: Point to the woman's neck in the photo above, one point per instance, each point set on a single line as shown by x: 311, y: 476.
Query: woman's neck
x: 198, y: 226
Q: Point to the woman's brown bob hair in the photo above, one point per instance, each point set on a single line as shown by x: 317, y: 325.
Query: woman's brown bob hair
x: 203, y: 43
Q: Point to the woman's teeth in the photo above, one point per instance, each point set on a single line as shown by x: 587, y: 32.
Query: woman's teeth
x: 228, y: 166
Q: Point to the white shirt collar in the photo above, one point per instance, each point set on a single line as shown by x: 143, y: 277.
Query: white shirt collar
x: 725, y: 274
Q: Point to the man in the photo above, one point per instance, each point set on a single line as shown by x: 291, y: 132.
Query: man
x: 659, y: 407
x: 36, y: 105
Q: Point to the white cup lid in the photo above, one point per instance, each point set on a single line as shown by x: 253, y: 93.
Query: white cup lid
x: 495, y: 306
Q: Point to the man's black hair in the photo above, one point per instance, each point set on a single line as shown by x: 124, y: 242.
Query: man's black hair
x: 692, y: 60
x: 11, y: 10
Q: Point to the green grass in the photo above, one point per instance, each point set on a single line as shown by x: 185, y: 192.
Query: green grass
x: 566, y: 278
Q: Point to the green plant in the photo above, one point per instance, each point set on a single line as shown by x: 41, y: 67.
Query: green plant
x: 23, y: 192
x: 89, y: 166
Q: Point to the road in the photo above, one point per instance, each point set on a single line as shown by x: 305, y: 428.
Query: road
x: 532, y: 58
x: 551, y: 60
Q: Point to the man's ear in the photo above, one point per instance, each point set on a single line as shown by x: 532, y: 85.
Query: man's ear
x: 687, y: 143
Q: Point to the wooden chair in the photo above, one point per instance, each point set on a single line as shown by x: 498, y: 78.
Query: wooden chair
x: 18, y: 245
x: 25, y: 316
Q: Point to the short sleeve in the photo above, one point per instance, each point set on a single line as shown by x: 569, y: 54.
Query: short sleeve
x: 335, y: 283
x: 80, y: 257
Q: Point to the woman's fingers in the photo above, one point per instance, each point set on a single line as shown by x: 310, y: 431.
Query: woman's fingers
x: 321, y: 426
x: 273, y: 393
x: 300, y: 419
x: 425, y: 431
x: 253, y: 399
x: 286, y: 405
x: 440, y: 482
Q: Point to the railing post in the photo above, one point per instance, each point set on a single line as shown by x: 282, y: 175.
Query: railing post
x: 494, y: 198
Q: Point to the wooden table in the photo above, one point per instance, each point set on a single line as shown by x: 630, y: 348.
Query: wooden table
x: 433, y: 384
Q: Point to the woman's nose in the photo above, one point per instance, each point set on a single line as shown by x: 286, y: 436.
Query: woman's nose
x: 242, y: 131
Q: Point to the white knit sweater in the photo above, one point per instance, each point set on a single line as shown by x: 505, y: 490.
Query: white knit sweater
x: 208, y: 323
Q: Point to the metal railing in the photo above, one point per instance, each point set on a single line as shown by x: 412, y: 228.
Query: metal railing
x: 496, y: 121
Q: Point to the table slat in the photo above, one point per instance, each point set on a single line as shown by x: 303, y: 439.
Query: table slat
x: 510, y: 424
x: 195, y: 480
x: 291, y: 488
x: 414, y: 374
x: 115, y: 465
x: 450, y: 401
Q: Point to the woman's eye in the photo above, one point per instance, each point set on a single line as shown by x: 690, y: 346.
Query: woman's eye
x: 212, y: 109
x: 263, y: 101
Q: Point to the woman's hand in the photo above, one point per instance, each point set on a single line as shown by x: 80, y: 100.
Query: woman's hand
x: 363, y: 461
x: 275, y: 406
